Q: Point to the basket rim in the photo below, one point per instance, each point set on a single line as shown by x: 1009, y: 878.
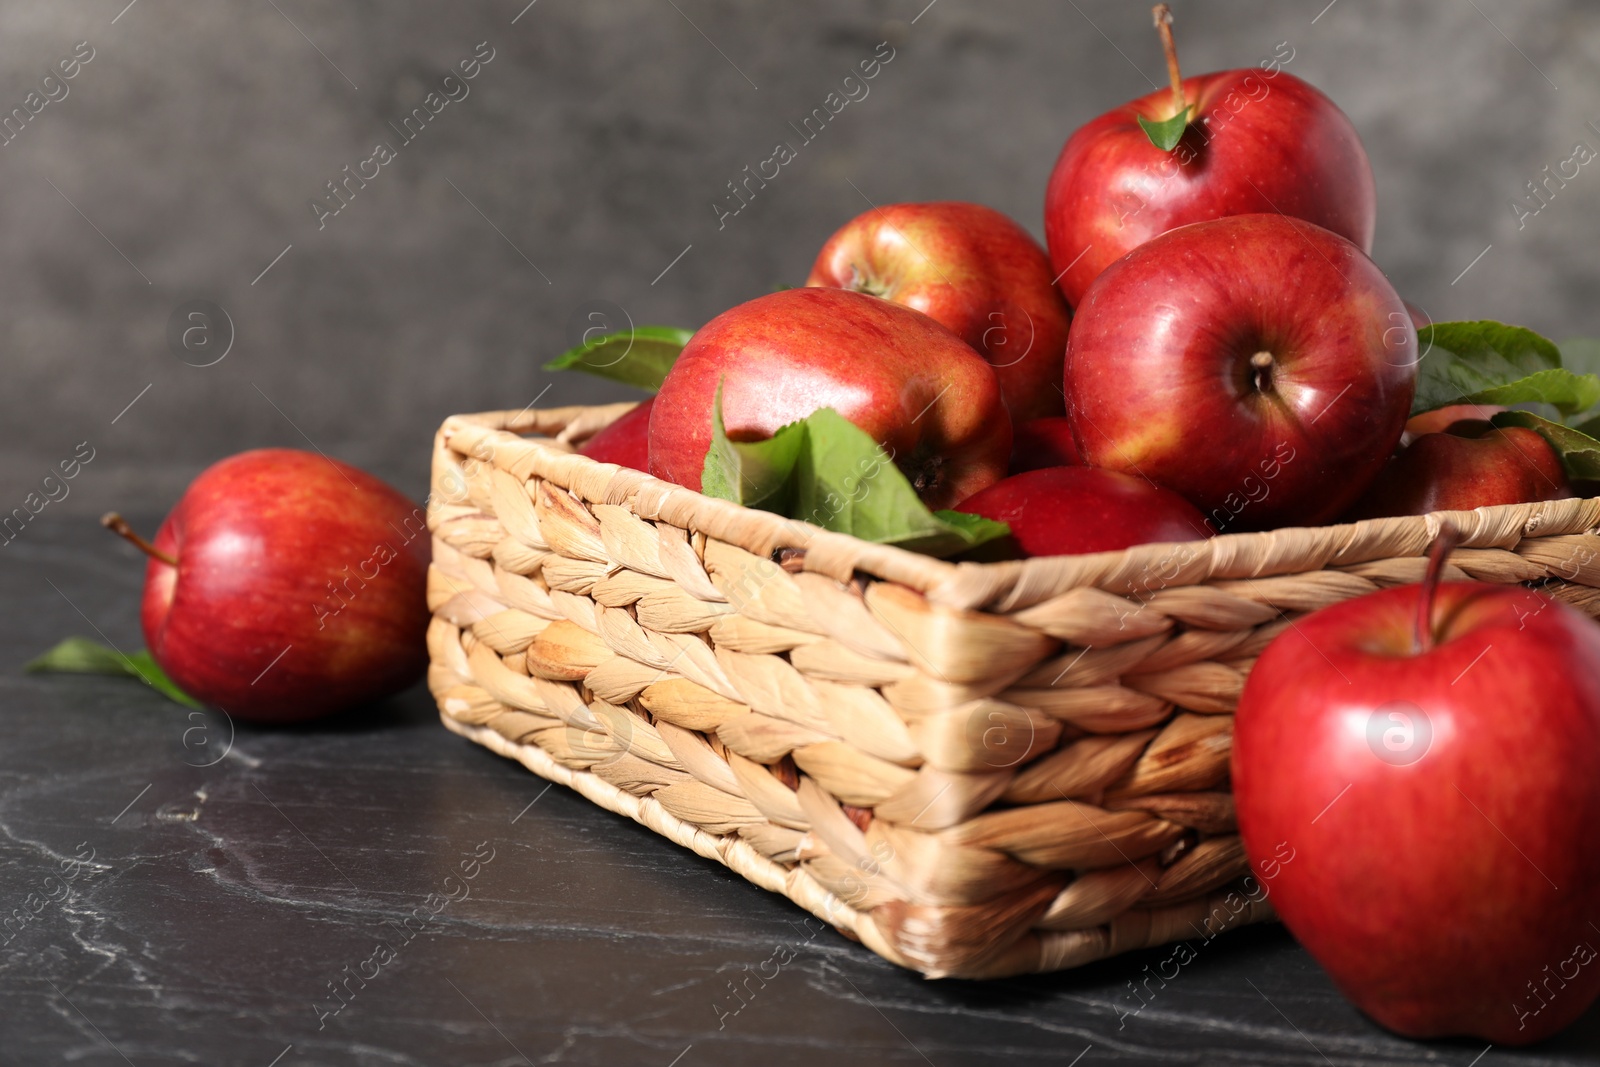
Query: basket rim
x: 541, y: 441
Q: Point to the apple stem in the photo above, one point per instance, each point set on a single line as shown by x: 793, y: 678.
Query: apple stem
x: 119, y: 526
x: 1163, y: 18
x: 1442, y: 545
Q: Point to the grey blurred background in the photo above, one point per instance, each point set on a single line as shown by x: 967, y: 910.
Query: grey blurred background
x: 580, y: 171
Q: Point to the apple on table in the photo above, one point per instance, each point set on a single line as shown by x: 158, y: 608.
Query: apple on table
x: 285, y: 586
x: 1428, y: 754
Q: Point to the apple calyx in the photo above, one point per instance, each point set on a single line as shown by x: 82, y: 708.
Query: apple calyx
x: 119, y: 526
x: 1424, y: 636
x: 925, y: 471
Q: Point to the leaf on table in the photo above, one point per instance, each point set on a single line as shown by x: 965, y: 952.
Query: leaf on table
x: 640, y: 356
x: 1486, y: 362
x: 79, y: 655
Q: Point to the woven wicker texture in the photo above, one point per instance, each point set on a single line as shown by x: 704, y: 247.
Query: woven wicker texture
x: 976, y: 770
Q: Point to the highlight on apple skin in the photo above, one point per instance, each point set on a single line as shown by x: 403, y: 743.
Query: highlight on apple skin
x: 915, y: 387
x: 1191, y: 363
x: 972, y: 270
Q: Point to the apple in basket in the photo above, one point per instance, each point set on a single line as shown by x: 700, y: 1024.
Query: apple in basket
x: 625, y: 442
x: 970, y: 268
x: 1429, y: 753
x: 915, y: 387
x: 1046, y: 442
x: 1473, y: 465
x: 1254, y: 140
x: 286, y: 586
x: 1063, y: 511
x: 1250, y: 363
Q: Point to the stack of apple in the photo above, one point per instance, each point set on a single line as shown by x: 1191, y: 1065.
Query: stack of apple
x: 1205, y: 348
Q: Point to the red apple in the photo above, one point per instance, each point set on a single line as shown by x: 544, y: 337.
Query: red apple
x: 1472, y: 466
x: 1426, y: 763
x: 915, y: 387
x: 286, y: 585
x: 1258, y: 140
x: 1046, y: 442
x: 626, y: 442
x: 968, y: 268
x: 1063, y: 511
x: 1248, y: 363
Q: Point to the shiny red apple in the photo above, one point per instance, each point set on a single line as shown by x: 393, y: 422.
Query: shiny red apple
x: 286, y: 585
x: 1474, y: 465
x: 1063, y: 511
x: 971, y: 269
x: 1427, y: 760
x: 915, y: 387
x: 1046, y: 442
x: 1248, y: 363
x: 1257, y: 140
x: 626, y: 442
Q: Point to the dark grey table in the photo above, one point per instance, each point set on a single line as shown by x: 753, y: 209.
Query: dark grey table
x: 228, y: 887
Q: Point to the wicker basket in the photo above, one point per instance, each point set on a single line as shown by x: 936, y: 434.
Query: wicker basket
x: 976, y: 770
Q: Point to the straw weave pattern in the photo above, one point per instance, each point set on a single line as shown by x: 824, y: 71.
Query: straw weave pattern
x: 975, y: 770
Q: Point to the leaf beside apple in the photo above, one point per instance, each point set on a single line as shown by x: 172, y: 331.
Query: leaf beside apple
x: 1166, y: 134
x: 640, y: 357
x: 79, y: 655
x: 1486, y: 362
x: 827, y: 471
x: 756, y: 474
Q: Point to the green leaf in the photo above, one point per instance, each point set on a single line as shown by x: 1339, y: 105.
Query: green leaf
x: 827, y: 471
x: 639, y: 357
x: 1577, y: 447
x: 1568, y: 393
x: 757, y: 474
x: 79, y: 655
x: 1166, y: 134
x: 1488, y: 362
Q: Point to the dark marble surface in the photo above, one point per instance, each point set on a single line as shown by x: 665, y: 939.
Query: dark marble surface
x: 231, y: 883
